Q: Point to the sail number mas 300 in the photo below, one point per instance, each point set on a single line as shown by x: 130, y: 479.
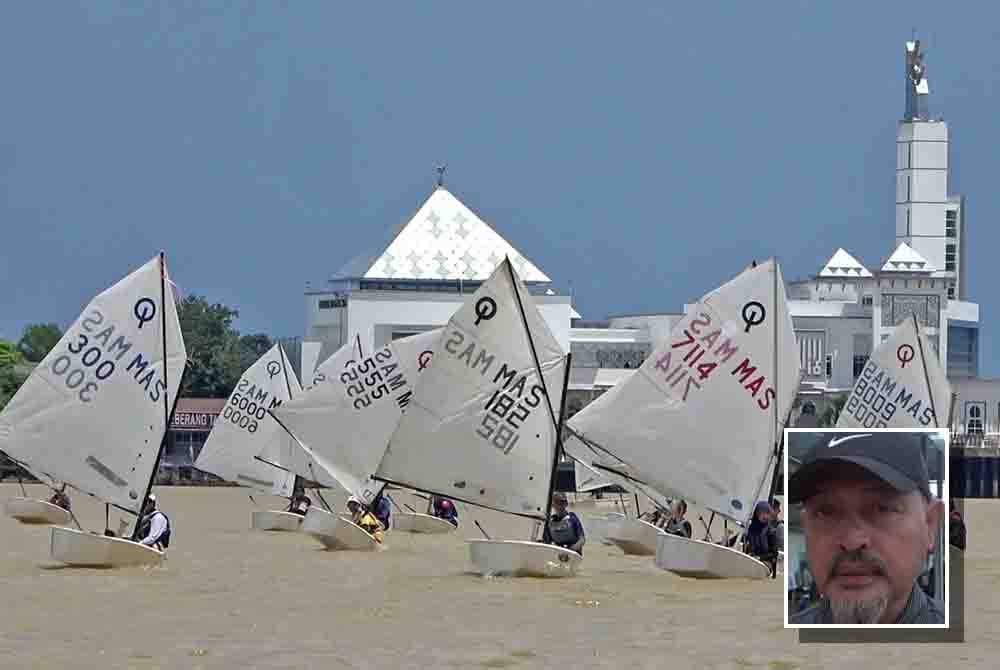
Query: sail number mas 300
x: 95, y: 354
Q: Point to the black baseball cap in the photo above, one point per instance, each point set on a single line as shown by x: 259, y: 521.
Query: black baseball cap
x: 895, y: 458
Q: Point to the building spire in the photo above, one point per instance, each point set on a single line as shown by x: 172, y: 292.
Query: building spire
x: 917, y: 90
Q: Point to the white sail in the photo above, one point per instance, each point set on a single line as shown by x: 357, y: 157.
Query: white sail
x: 244, y: 444
x: 479, y: 427
x: 901, y: 386
x: 597, y: 470
x: 702, y: 416
x: 346, y: 419
x: 93, y: 413
x: 588, y: 479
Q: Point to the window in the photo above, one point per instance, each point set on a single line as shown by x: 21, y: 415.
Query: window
x: 974, y: 418
x: 951, y: 223
x: 949, y: 258
x: 908, y: 231
x: 951, y: 292
x: 866, y: 301
x: 909, y: 179
x: 332, y: 303
x: 859, y: 365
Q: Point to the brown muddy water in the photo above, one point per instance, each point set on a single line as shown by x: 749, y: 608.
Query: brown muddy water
x: 229, y: 597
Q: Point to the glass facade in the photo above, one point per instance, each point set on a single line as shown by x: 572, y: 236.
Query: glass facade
x: 963, y: 351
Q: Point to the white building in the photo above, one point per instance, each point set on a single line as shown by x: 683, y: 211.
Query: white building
x: 445, y: 250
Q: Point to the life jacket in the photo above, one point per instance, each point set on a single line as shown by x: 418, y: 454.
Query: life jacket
x: 164, y: 539
x: 759, y: 541
x: 680, y: 527
x: 371, y: 525
x: 562, y: 532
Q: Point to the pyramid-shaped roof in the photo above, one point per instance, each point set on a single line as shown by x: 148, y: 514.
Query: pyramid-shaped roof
x: 447, y: 240
x: 842, y: 264
x: 906, y: 259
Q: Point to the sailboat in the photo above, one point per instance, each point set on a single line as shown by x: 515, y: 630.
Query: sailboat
x: 95, y: 412
x: 345, y: 422
x: 904, y: 386
x: 702, y: 417
x: 634, y: 536
x: 244, y: 445
x: 481, y: 427
x: 901, y: 386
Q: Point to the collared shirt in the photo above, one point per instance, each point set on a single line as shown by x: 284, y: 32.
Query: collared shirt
x: 919, y: 609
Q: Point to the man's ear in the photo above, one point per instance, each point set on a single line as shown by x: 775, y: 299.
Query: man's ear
x: 935, y: 510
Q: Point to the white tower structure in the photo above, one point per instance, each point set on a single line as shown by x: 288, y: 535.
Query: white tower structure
x: 928, y: 219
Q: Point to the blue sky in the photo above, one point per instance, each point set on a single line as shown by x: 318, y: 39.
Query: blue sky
x: 639, y: 152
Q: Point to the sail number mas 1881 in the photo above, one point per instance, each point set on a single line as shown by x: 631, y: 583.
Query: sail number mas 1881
x: 248, y: 405
x: 510, y: 405
x: 94, y: 354
x: 375, y: 378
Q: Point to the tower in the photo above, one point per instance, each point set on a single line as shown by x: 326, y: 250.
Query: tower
x: 928, y: 219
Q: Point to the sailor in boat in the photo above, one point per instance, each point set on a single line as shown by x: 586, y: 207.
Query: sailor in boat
x: 869, y: 521
x: 365, y: 519
x: 60, y: 499
x: 564, y: 528
x: 654, y: 516
x: 956, y: 528
x: 154, y: 526
x: 760, y: 540
x: 778, y: 524
x: 382, y: 510
x: 443, y: 508
x: 300, y: 504
x: 677, y: 524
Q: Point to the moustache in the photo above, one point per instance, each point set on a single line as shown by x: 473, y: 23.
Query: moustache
x: 858, y: 557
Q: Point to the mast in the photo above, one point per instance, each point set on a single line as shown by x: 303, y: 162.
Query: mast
x: 923, y: 361
x: 288, y: 385
x: 557, y: 450
x: 168, y: 409
x: 541, y: 380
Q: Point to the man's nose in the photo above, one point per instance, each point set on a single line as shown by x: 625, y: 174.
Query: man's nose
x: 853, y: 533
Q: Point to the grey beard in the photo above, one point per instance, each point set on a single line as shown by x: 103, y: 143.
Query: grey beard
x: 858, y: 611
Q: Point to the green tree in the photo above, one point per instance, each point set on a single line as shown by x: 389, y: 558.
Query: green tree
x: 38, y: 340
x: 217, y: 352
x: 12, y: 374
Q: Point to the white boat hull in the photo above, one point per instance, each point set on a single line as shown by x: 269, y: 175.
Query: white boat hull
x: 600, y: 528
x: 519, y: 558
x: 31, y: 511
x: 706, y: 560
x: 90, y: 550
x: 275, y: 520
x: 420, y: 523
x: 635, y: 537
x: 337, y: 532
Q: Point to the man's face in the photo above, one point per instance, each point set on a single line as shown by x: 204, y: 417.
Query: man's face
x: 559, y: 504
x: 866, y: 542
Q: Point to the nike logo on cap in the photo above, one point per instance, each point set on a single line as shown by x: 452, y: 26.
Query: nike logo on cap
x: 838, y: 440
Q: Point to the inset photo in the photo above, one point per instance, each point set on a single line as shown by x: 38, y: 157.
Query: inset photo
x: 866, y: 528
